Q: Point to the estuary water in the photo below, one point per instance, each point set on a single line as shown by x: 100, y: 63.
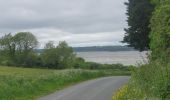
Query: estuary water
x: 123, y: 57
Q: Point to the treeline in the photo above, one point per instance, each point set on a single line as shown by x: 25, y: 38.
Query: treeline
x: 21, y: 50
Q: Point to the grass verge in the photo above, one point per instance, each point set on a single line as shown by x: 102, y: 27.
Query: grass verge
x: 28, y: 83
x: 148, y: 82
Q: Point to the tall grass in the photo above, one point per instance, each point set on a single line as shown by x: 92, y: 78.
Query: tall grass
x: 149, y: 82
x: 28, y: 84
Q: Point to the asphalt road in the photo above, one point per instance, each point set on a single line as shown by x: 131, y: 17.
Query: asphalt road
x: 98, y: 89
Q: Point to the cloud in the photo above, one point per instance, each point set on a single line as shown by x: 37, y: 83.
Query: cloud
x: 71, y: 20
x: 84, y: 39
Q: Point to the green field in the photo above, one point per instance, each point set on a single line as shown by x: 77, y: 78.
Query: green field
x: 28, y: 83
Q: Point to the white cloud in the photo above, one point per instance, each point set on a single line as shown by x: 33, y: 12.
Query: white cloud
x: 84, y: 39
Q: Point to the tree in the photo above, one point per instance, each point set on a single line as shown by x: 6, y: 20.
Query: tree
x: 59, y: 57
x: 49, y: 45
x: 137, y: 34
x: 25, y: 41
x: 66, y: 55
x: 7, y: 49
x: 50, y: 55
x: 16, y: 49
x: 7, y: 44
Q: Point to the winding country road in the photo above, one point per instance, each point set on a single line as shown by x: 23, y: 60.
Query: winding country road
x: 97, y: 89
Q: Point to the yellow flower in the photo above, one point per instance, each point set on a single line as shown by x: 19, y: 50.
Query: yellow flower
x: 121, y: 93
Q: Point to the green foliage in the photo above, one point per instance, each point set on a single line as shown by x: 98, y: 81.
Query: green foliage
x: 160, y: 34
x: 25, y: 42
x: 139, y: 14
x: 18, y: 49
x: 7, y: 46
x: 49, y: 45
x: 148, y: 82
x: 59, y: 57
x: 66, y: 55
x: 154, y: 79
x: 80, y: 63
x: 50, y: 55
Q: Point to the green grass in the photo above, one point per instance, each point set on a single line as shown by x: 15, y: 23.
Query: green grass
x: 28, y: 83
x: 148, y: 82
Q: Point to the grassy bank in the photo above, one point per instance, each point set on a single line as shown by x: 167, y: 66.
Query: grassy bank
x: 28, y: 84
x: 149, y: 82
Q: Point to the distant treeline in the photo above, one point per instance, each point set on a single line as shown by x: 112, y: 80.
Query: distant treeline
x: 97, y: 48
x: 103, y: 48
x: 21, y: 50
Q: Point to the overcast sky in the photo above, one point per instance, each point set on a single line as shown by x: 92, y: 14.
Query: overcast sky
x: 79, y: 22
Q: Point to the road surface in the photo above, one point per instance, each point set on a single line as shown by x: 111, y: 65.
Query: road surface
x: 98, y: 89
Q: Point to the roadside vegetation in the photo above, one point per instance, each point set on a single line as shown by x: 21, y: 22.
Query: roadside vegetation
x: 152, y: 81
x: 30, y: 83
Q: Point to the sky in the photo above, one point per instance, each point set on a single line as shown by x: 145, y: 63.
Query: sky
x: 78, y: 22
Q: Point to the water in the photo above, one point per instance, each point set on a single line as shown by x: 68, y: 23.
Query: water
x: 123, y: 57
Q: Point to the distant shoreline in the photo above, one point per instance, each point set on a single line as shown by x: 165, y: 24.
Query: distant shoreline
x: 103, y: 48
x: 98, y: 49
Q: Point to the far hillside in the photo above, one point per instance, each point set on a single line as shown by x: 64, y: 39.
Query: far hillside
x: 98, y: 48
x: 103, y: 48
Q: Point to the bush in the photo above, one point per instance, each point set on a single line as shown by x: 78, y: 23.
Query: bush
x: 59, y: 57
x: 154, y: 79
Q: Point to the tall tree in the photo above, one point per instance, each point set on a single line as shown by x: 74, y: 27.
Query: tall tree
x: 7, y: 43
x: 137, y: 34
x: 49, y: 45
x: 50, y: 55
x: 66, y: 55
x: 25, y: 41
x: 59, y: 57
x: 18, y: 48
x: 7, y: 49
